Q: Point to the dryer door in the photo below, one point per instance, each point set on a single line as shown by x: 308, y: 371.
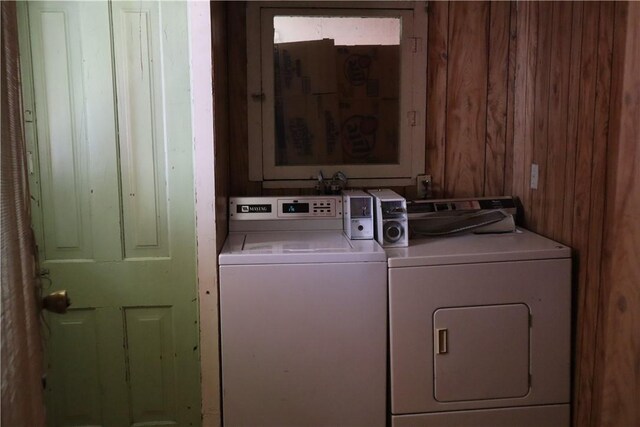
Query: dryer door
x: 480, y: 313
x: 481, y: 352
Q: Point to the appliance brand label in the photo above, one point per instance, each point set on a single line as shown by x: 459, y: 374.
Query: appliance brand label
x: 254, y: 209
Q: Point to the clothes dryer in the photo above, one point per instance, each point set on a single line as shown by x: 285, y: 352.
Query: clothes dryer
x: 480, y: 331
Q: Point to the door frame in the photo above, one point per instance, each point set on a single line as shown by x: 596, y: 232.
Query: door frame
x: 200, y: 53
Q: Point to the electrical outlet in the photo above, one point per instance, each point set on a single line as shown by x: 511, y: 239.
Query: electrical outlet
x: 423, y: 186
x: 534, y: 176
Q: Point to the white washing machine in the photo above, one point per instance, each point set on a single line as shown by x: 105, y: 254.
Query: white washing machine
x: 480, y: 331
x: 303, y: 315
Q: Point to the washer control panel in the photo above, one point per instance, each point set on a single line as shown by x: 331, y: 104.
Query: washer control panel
x: 305, y: 208
x: 274, y: 208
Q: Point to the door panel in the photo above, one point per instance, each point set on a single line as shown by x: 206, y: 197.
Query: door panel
x: 113, y: 135
x: 151, y: 365
x: 57, y: 61
x: 141, y: 106
x: 75, y: 350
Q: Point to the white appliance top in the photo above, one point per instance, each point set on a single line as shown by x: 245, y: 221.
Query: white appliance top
x: 295, y: 247
x: 476, y: 248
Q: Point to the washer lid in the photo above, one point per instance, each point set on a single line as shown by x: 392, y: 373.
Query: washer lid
x: 475, y: 248
x: 288, y: 247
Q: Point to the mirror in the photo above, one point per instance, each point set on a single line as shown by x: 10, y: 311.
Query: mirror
x: 336, y: 85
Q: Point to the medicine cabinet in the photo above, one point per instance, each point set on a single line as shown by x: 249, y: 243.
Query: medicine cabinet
x: 340, y: 87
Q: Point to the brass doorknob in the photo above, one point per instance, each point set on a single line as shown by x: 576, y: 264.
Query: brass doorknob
x: 56, y: 302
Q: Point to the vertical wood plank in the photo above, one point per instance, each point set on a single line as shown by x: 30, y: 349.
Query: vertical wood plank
x: 582, y: 204
x: 527, y: 51
x: 511, y: 88
x: 600, y: 139
x: 598, y: 185
x: 529, y: 107
x: 238, y: 136
x: 522, y: 79
x: 437, y: 63
x: 616, y: 395
x: 496, y: 130
x: 553, y: 191
x: 466, y: 98
x: 572, y: 123
x: 541, y: 113
x: 597, y: 199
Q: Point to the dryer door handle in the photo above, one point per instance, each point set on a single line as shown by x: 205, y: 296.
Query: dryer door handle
x: 442, y: 344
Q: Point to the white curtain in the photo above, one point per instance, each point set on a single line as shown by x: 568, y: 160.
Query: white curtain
x: 21, y: 345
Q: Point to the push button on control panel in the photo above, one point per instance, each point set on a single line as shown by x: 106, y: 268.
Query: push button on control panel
x: 325, y: 208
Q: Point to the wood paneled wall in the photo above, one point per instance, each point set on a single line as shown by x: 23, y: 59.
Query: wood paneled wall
x: 616, y: 398
x: 565, y: 56
x: 510, y: 84
x: 470, y: 97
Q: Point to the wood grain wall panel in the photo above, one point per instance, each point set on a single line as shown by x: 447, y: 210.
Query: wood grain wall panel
x: 600, y: 136
x: 521, y: 88
x: 511, y: 89
x: 466, y: 98
x: 551, y: 214
x: 288, y: 191
x: 597, y: 411
x: 563, y: 77
x: 437, y: 63
x: 530, y: 106
x: 572, y: 121
x: 582, y: 204
x: 563, y: 82
x: 238, y: 136
x: 617, y: 384
x: 541, y: 111
x: 525, y: 107
x: 598, y: 189
x: 497, y: 93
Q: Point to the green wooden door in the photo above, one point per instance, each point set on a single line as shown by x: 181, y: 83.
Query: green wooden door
x: 107, y: 108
